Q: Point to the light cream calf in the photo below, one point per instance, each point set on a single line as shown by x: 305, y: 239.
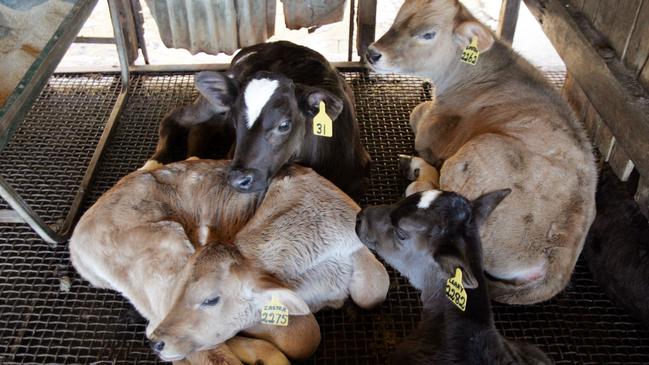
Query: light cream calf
x: 493, y: 125
x: 140, y: 235
x: 302, y: 235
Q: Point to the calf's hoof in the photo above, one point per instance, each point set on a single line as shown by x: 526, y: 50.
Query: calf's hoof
x: 151, y: 165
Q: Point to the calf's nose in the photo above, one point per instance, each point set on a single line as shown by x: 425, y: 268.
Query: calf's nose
x: 241, y: 180
x: 372, y: 55
x: 158, y: 346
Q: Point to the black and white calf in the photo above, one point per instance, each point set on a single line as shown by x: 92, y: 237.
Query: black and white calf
x: 428, y: 237
x: 270, y: 96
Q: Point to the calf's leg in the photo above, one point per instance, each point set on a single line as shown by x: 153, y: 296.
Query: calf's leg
x: 370, y: 281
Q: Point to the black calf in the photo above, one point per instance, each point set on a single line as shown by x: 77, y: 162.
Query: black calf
x: 617, y: 247
x: 429, y: 237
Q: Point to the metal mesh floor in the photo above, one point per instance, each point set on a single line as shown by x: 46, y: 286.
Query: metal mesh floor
x: 40, y: 323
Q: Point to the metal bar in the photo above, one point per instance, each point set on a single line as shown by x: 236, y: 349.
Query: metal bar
x: 10, y: 216
x: 21, y: 207
x: 508, y: 18
x: 139, y: 28
x: 347, y: 66
x: 120, y: 43
x: 73, y: 213
x: 352, y: 22
x: 366, y: 25
x: 95, y: 40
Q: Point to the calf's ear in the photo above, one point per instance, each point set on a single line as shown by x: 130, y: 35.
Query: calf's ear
x: 295, y: 305
x: 309, y: 99
x: 469, y: 29
x: 449, y: 260
x: 218, y: 89
x: 485, y: 204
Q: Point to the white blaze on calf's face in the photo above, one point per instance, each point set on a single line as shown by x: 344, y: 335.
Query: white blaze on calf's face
x: 427, y: 198
x: 257, y: 94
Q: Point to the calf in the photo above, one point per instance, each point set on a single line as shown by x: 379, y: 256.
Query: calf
x: 271, y: 95
x: 194, y: 130
x: 617, y: 249
x: 139, y: 237
x: 431, y: 237
x: 185, y: 248
x: 497, y: 123
x: 301, y: 235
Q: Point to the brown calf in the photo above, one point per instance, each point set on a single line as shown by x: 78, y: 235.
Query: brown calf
x: 497, y: 124
x: 139, y: 237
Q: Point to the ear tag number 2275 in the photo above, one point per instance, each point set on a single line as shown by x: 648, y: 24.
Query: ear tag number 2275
x: 274, y: 313
x: 322, y: 125
x: 471, y: 53
x: 455, y: 290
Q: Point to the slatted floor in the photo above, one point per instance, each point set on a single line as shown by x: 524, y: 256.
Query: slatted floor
x: 42, y: 322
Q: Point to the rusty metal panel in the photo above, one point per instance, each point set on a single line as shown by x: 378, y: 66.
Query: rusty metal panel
x: 311, y: 13
x: 213, y: 26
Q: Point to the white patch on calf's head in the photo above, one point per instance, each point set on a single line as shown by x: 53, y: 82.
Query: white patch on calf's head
x: 427, y: 198
x: 257, y: 94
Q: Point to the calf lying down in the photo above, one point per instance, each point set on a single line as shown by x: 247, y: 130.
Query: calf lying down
x: 431, y: 237
x: 497, y: 123
x: 163, y: 238
x: 617, y: 248
x: 271, y: 95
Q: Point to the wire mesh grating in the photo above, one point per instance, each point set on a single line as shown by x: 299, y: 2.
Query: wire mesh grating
x: 41, y: 323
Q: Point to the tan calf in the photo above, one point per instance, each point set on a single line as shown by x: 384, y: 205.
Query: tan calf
x: 497, y: 124
x: 303, y: 235
x: 141, y: 234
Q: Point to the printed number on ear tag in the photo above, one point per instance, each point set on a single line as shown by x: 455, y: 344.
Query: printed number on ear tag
x: 455, y: 290
x: 322, y: 125
x: 274, y: 313
x: 471, y: 53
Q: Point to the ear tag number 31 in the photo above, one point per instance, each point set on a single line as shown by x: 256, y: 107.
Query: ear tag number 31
x: 455, y: 290
x: 274, y: 313
x: 322, y: 125
x: 471, y: 53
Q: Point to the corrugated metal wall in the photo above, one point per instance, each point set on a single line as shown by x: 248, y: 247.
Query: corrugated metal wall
x: 215, y: 26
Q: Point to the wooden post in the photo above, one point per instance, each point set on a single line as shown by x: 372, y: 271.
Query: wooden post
x: 366, y: 22
x: 612, y: 89
x: 508, y: 18
x: 127, y: 19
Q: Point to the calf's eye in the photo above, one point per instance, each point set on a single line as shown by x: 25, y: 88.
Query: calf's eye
x: 284, y: 126
x: 210, y: 302
x: 428, y: 36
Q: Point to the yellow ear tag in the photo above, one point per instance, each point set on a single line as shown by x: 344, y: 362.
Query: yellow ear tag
x: 471, y: 53
x: 455, y: 290
x: 322, y: 125
x: 274, y: 313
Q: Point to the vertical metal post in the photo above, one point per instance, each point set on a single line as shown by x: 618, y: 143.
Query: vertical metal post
x: 352, y: 22
x: 508, y: 18
x: 120, y: 42
x: 139, y: 28
x: 366, y: 25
